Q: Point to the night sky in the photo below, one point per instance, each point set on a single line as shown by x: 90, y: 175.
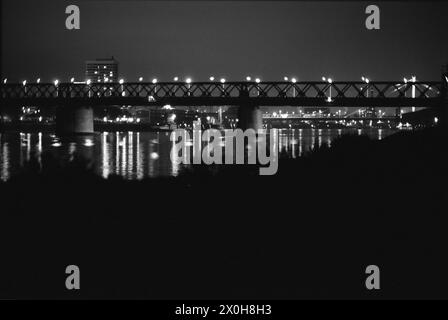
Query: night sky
x: 266, y: 39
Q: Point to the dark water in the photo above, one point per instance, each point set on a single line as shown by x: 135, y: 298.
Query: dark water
x: 136, y: 155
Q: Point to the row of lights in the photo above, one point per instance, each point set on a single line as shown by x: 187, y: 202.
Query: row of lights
x: 222, y: 80
x: 155, y: 81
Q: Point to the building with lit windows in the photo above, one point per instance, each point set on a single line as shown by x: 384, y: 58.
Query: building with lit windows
x: 102, y: 70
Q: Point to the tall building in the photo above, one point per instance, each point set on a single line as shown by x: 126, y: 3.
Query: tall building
x: 102, y: 70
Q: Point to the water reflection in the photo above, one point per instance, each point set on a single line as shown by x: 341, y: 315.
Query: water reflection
x: 136, y: 155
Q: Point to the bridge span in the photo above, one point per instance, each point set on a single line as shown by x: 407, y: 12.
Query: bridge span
x: 75, y: 102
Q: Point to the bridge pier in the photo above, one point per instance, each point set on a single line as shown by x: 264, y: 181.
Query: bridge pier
x: 250, y: 117
x: 443, y: 114
x: 74, y: 119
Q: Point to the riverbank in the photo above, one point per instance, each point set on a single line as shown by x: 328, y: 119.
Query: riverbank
x: 227, y: 233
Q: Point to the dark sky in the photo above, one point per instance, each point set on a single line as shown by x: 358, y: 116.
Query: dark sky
x: 269, y: 39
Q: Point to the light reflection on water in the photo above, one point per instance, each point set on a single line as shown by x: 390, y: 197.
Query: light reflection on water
x: 136, y: 155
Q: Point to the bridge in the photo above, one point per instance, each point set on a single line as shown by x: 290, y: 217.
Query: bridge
x: 75, y: 101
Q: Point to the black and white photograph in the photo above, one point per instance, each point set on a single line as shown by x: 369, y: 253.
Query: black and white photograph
x: 223, y: 155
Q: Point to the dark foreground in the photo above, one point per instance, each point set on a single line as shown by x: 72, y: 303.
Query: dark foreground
x: 308, y: 232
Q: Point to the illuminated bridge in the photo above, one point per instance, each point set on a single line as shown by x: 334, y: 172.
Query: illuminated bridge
x: 75, y: 101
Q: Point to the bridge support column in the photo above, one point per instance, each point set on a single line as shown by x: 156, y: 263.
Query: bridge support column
x: 443, y: 114
x: 250, y: 117
x: 74, y: 119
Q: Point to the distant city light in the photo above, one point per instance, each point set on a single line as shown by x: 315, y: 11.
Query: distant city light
x: 140, y: 79
x: 72, y: 80
x: 38, y: 80
x: 176, y: 78
x: 286, y: 78
x: 257, y: 80
x: 89, y: 82
x: 5, y: 81
x: 223, y: 80
x: 212, y: 78
x: 248, y: 78
x: 56, y: 82
x: 188, y: 80
x: 436, y: 120
x: 154, y: 80
x: 293, y: 80
x: 121, y: 81
x: 24, y: 82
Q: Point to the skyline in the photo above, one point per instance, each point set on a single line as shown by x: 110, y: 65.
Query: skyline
x: 199, y: 40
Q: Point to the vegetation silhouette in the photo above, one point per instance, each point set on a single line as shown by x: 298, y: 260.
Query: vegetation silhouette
x: 224, y: 232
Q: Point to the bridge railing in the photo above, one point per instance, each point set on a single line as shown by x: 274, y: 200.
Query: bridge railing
x: 416, y: 90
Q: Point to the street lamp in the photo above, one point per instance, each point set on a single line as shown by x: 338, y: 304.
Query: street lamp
x: 56, y: 82
x: 330, y: 81
x: 366, y: 80
x: 188, y: 81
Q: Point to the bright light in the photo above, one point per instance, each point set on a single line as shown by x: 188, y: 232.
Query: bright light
x: 154, y: 156
x: 5, y: 81
x: 286, y: 78
x: 38, y: 80
x: 121, y: 81
x: 24, y: 82
x: 176, y: 78
x: 222, y: 80
x: 248, y: 78
x: 72, y: 80
x: 56, y: 82
x: 89, y: 82
x: 436, y: 120
x: 140, y: 79
x: 167, y: 107
x: 212, y: 78
x: 330, y: 80
x: 154, y: 81
x: 293, y: 80
x: 188, y: 80
x: 257, y: 80
x: 324, y: 79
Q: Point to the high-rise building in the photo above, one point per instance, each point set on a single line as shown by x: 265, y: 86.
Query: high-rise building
x: 102, y: 70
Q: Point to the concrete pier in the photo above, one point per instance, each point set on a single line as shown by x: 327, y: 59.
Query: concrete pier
x: 74, y: 119
x: 250, y: 117
x: 249, y: 114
